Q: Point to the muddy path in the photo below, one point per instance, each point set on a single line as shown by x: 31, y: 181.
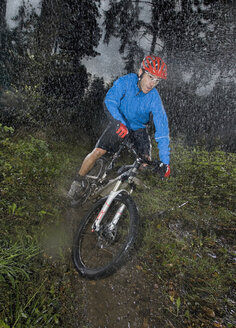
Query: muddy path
x: 128, y: 298
x: 123, y: 300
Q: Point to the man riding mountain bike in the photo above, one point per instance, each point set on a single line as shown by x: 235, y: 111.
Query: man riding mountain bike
x: 128, y: 104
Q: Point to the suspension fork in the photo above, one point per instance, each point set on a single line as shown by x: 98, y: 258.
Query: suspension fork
x: 118, y: 214
x: 116, y: 217
x: 112, y: 195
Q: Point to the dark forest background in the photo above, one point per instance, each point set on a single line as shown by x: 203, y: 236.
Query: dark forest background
x: 51, y: 111
x: 45, y: 84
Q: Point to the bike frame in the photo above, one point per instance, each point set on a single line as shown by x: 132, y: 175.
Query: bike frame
x: 106, y: 206
x: 128, y: 176
x: 111, y: 197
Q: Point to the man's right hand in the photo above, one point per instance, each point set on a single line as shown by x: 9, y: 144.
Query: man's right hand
x: 122, y: 131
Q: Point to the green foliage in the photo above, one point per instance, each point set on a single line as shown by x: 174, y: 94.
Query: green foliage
x: 14, y: 261
x: 22, y: 106
x: 42, y: 79
x: 25, y: 166
x: 94, y: 120
x: 33, y: 284
x: 210, y: 176
x: 50, y: 97
x: 28, y: 296
x: 79, y: 30
x: 22, y: 305
x: 187, y: 250
x: 190, y: 248
x: 194, y: 262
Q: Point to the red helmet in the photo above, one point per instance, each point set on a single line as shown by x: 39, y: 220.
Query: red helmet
x: 155, y: 66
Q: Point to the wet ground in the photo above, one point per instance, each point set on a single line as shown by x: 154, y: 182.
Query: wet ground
x: 133, y: 297
x: 125, y: 299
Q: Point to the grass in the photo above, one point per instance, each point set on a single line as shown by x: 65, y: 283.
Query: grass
x: 32, y: 283
x: 187, y: 250
x: 192, y: 246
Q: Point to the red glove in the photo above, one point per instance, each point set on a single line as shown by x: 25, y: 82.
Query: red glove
x: 122, y: 131
x: 167, y: 171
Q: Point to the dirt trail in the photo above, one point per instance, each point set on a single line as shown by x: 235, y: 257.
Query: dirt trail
x: 126, y: 299
x: 122, y: 300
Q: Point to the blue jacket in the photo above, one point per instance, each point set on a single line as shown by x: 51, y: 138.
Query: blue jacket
x: 127, y: 104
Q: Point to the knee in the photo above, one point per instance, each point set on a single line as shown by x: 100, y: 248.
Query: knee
x: 98, y: 152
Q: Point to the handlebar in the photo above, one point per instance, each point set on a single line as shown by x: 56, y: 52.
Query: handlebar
x: 154, y: 166
x: 127, y: 171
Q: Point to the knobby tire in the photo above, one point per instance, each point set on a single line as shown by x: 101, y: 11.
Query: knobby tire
x: 97, y: 255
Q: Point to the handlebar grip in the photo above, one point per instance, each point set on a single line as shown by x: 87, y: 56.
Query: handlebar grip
x: 154, y: 166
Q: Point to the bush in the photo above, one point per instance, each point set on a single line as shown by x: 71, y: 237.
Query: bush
x: 22, y: 300
x: 27, y: 170
x: 189, y: 250
x: 210, y: 176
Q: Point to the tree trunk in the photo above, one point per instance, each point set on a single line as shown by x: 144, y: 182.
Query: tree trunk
x: 3, y: 5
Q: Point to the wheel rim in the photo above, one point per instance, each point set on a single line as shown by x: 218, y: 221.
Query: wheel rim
x: 98, y: 249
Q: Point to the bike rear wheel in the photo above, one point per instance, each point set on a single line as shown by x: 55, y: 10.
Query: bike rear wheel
x: 100, y: 254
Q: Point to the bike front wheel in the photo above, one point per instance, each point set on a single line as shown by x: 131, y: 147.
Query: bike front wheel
x: 100, y: 254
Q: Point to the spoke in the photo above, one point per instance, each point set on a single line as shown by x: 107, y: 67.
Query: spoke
x: 98, y: 250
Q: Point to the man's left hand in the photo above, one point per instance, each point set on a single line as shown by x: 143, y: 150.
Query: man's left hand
x: 164, y: 170
x: 167, y: 174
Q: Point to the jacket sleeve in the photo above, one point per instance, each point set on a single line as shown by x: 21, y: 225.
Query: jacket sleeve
x: 113, y: 99
x: 161, y: 132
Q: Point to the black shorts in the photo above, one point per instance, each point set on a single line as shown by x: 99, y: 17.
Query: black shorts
x: 110, y: 141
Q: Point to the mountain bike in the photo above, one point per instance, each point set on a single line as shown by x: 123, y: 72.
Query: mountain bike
x: 107, y: 233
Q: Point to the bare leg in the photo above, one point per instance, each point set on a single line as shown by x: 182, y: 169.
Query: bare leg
x: 90, y: 160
